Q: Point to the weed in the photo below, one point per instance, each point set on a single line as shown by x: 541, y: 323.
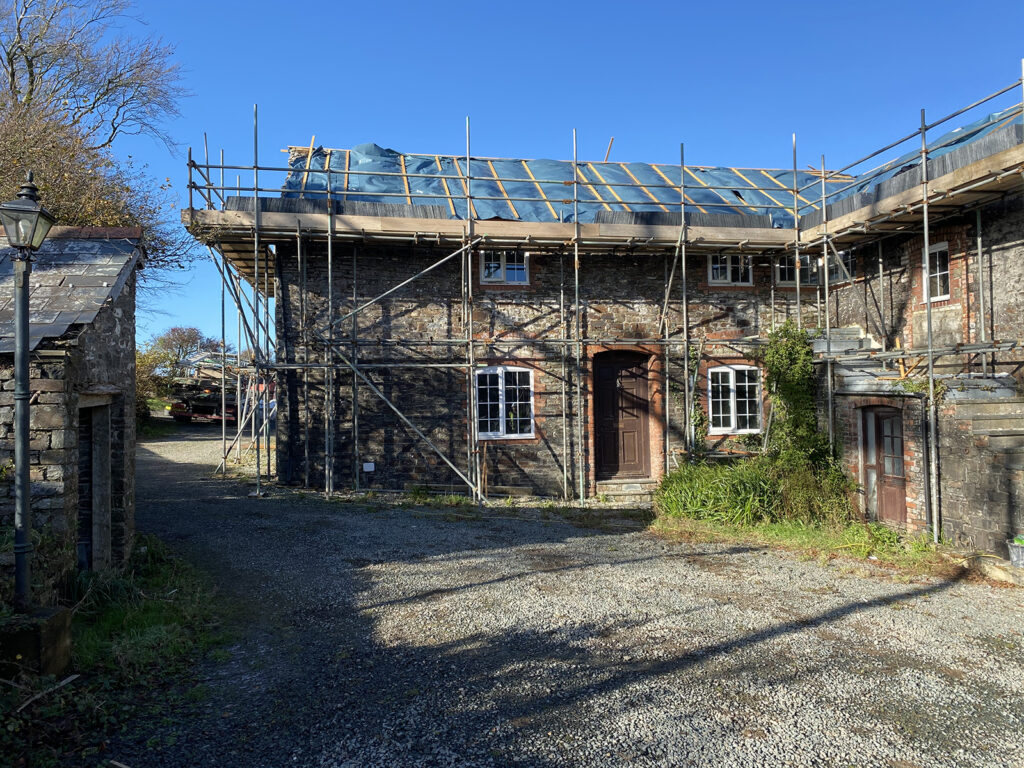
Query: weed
x: 134, y: 630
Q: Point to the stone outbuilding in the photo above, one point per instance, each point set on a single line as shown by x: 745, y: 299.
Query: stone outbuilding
x: 82, y: 371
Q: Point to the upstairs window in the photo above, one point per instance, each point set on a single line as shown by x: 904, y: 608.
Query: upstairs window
x: 504, y: 267
x: 504, y: 402
x: 734, y: 400
x: 936, y: 267
x: 729, y: 269
x: 785, y: 270
x: 842, y: 269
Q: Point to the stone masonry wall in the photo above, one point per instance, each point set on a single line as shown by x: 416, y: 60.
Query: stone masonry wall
x: 100, y: 358
x: 621, y: 298
x: 981, y: 482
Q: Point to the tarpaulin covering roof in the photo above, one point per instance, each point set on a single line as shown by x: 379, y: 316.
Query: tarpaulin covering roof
x: 71, y: 280
x: 542, y: 190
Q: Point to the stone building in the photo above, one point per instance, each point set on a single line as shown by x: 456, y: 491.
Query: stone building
x: 82, y: 415
x: 525, y: 326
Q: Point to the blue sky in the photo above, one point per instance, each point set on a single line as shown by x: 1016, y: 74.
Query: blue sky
x: 732, y: 80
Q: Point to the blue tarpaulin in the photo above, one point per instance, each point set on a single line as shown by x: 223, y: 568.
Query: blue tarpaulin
x: 542, y: 190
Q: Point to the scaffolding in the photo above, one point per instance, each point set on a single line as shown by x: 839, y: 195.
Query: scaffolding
x: 243, y: 246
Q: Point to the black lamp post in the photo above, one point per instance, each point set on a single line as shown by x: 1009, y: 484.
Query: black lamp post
x: 26, y: 224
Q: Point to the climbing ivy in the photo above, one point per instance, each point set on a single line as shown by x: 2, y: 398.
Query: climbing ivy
x: 788, y: 361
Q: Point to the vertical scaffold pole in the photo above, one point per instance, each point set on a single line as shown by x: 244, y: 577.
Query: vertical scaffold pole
x: 475, y: 472
x: 256, y: 267
x: 828, y: 311
x: 356, y: 459
x: 329, y: 349
x: 563, y: 329
x: 579, y: 331
x: 981, y: 294
x: 688, y: 436
x: 796, y: 243
x: 304, y: 320
x: 223, y: 371
x: 933, y: 453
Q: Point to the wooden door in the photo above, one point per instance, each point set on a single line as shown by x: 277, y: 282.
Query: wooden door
x: 622, y: 409
x: 885, y: 477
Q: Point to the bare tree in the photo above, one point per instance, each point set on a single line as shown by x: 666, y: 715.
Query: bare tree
x: 66, y: 61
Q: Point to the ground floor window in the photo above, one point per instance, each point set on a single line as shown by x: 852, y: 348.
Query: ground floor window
x: 504, y: 402
x: 734, y: 399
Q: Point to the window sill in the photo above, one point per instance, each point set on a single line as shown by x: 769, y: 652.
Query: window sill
x: 728, y: 432
x: 506, y: 438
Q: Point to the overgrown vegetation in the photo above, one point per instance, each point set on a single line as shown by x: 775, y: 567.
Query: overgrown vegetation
x: 794, y: 494
x: 796, y: 478
x: 135, y: 631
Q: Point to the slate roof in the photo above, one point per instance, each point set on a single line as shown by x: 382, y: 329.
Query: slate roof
x: 72, y: 279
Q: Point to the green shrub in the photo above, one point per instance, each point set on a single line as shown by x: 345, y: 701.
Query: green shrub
x: 764, y: 489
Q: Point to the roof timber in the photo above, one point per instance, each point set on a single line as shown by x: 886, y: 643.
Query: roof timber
x: 234, y: 231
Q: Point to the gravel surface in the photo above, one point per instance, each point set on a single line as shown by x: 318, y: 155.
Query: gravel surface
x: 374, y: 635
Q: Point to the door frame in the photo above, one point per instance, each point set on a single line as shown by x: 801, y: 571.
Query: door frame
x: 876, y: 414
x: 652, y: 359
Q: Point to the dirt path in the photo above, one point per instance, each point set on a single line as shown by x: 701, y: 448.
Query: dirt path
x: 380, y: 636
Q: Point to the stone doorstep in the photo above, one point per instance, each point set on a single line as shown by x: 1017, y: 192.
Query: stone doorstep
x: 42, y: 640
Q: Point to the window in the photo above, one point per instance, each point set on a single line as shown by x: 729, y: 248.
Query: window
x: 843, y: 269
x: 729, y: 269
x: 504, y: 267
x: 785, y: 272
x: 937, y: 270
x: 734, y: 399
x: 504, y: 402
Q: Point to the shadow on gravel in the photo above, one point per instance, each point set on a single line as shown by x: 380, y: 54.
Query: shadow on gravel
x: 310, y: 682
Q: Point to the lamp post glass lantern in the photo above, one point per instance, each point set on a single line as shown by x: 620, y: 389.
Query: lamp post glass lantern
x: 26, y: 224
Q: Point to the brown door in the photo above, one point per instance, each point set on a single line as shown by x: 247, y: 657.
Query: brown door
x: 885, y: 479
x: 621, y: 408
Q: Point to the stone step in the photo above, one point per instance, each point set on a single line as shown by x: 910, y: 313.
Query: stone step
x: 627, y: 490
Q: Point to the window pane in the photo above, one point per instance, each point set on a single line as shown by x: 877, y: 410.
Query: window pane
x: 515, y: 267
x: 488, y: 403
x: 938, y: 270
x: 719, y: 400
x: 748, y: 410
x: 739, y: 271
x: 719, y: 268
x: 492, y: 266
x: 518, y: 408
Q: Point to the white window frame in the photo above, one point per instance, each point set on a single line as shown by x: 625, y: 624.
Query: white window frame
x: 501, y: 370
x: 731, y: 428
x: 812, y: 268
x: 927, y: 274
x: 487, y: 255
x: 742, y: 258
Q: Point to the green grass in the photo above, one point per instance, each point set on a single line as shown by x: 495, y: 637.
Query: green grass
x: 853, y: 540
x: 157, y: 428
x: 136, y: 633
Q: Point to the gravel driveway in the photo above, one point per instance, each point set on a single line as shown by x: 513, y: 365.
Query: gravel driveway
x: 371, y: 635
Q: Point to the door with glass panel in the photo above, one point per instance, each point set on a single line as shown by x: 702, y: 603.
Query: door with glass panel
x: 885, y: 482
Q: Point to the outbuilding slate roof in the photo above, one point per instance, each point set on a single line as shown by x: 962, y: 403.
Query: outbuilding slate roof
x: 72, y: 279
